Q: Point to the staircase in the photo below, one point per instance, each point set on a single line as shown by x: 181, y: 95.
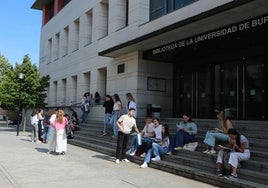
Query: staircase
x: 194, y: 165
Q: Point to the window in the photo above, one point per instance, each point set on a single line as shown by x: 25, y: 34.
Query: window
x: 159, y: 8
x: 120, y: 68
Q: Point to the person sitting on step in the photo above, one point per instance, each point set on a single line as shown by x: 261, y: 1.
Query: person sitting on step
x: 240, y: 152
x: 158, y: 149
x: 157, y: 136
x: 219, y: 133
x: 146, y: 134
x: 186, y: 131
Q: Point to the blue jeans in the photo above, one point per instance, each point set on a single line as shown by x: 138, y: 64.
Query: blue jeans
x: 135, y: 146
x: 113, y: 122
x: 180, y: 139
x: 156, y: 150
x: 84, y: 116
x: 107, y: 118
x: 211, y: 138
x: 47, y: 132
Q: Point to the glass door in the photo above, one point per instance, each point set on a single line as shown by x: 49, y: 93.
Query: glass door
x: 193, y: 89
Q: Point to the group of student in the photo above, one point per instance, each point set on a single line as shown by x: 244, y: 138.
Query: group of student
x: 154, y: 140
x: 51, y: 129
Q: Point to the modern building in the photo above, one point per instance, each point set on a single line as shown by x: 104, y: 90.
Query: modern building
x: 184, y: 55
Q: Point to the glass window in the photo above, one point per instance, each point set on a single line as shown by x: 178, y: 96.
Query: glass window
x: 159, y: 8
x: 182, y: 3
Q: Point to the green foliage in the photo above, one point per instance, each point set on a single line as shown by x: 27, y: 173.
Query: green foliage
x: 33, y: 88
x: 5, y: 67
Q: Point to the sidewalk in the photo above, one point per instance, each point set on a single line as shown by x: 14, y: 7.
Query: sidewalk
x: 24, y: 164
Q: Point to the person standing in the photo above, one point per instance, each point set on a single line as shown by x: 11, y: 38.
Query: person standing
x: 125, y: 124
x: 131, y: 104
x: 47, y: 129
x: 108, y: 105
x: 40, y: 125
x: 34, y: 122
x: 52, y: 140
x: 85, y: 106
x: 116, y: 114
x: 61, y: 138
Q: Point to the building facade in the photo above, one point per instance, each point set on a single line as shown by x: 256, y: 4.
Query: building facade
x: 184, y: 55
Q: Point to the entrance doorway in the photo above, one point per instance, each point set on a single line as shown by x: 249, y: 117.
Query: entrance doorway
x: 238, y: 87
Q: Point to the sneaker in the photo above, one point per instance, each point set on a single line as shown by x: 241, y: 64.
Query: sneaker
x: 169, y: 153
x: 143, y: 155
x: 144, y: 165
x: 62, y: 153
x: 157, y: 158
x: 128, y: 152
x: 103, y: 134
x: 212, y: 152
x: 38, y: 141
x: 206, y: 151
x: 233, y: 176
x: 133, y: 153
x: 126, y: 160
x: 178, y: 148
x: 219, y: 173
x: 114, y: 137
x: 117, y: 161
x: 49, y: 152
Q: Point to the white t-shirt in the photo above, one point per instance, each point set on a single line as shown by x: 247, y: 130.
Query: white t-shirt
x: 148, y: 129
x: 127, y: 123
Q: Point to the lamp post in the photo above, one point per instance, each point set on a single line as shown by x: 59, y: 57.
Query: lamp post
x: 21, y: 76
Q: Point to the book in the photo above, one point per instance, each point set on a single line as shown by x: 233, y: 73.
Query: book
x: 179, y: 126
x: 225, y: 148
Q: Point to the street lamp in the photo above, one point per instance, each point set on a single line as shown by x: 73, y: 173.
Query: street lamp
x: 21, y: 76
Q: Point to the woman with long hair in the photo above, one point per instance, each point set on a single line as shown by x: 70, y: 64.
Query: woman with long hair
x: 186, y: 131
x: 158, y: 149
x: 131, y: 103
x: 116, y: 113
x: 61, y: 138
x: 240, y: 152
x: 219, y: 133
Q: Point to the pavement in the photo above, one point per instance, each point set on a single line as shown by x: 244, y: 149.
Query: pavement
x: 24, y: 164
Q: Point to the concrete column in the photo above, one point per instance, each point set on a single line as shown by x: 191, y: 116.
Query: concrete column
x: 117, y: 15
x: 100, y: 21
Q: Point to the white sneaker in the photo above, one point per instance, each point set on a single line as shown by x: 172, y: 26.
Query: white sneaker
x: 133, y: 153
x: 38, y: 141
x: 157, y: 158
x: 144, y: 165
x: 126, y: 160
x: 128, y: 152
x: 117, y: 161
x: 206, y: 151
x: 212, y: 152
x: 143, y: 155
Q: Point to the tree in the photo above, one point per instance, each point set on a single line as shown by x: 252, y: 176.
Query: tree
x: 33, y: 87
x: 5, y: 67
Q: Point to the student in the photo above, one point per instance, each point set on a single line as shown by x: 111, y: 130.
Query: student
x: 125, y: 124
x: 146, y: 135
x: 240, y: 145
x: 131, y: 104
x: 156, y: 138
x: 158, y: 148
x: 108, y: 105
x: 219, y: 133
x: 34, y: 122
x: 186, y: 131
x: 116, y: 114
x: 61, y: 138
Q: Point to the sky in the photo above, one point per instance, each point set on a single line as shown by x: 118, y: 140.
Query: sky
x: 19, y: 30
